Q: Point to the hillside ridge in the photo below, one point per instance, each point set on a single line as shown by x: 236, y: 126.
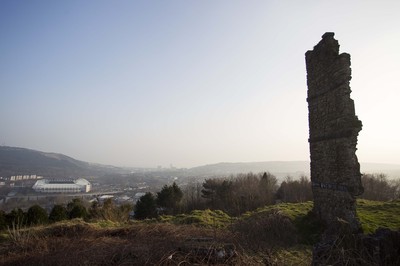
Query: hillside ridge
x: 21, y: 161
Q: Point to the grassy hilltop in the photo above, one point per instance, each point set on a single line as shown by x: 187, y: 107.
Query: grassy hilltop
x: 276, y: 235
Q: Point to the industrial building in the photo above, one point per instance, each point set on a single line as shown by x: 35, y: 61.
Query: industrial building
x: 62, y: 186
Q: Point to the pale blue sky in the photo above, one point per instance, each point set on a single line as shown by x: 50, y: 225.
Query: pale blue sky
x: 147, y: 83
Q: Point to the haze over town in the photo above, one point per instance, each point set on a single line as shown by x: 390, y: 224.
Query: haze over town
x: 187, y: 83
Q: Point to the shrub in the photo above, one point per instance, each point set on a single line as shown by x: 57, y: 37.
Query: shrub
x: 146, y: 207
x: 16, y: 217
x: 170, y: 198
x: 3, y: 222
x: 36, y: 215
x: 76, y: 209
x: 58, y: 213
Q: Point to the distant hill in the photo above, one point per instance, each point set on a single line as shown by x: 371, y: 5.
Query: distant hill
x: 279, y: 168
x: 391, y: 170
x: 282, y: 169
x: 20, y: 161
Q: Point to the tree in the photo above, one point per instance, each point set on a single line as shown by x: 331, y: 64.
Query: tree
x: 170, y: 198
x: 95, y: 210
x: 240, y: 193
x: 251, y: 191
x: 295, y: 190
x: 3, y: 222
x: 108, y: 210
x: 192, y: 197
x: 210, y: 187
x: 16, y: 217
x: 36, y: 215
x: 267, y: 186
x: 76, y: 209
x: 146, y: 207
x: 218, y: 192
x: 58, y: 213
x: 378, y: 187
x: 244, y: 194
x: 123, y: 212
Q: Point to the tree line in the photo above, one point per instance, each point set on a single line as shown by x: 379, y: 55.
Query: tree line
x: 36, y: 215
x: 238, y: 194
x: 234, y: 195
x: 166, y: 201
x: 380, y: 188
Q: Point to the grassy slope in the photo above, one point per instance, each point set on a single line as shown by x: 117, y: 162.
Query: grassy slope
x: 375, y: 214
x: 372, y: 214
x: 151, y: 242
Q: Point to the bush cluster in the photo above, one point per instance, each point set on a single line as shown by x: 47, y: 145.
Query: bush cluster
x: 36, y: 215
x: 167, y: 201
x: 233, y: 195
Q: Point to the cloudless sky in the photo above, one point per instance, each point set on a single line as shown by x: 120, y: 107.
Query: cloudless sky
x: 187, y: 83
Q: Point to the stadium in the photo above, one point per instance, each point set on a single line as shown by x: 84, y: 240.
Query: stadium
x: 62, y: 186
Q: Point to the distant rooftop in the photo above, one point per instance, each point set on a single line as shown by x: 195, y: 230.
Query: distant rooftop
x: 60, y: 182
x: 62, y: 185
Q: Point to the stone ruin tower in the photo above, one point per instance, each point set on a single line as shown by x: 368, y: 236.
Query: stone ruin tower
x: 334, y: 127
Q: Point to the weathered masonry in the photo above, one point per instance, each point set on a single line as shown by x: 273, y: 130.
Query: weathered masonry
x: 334, y: 127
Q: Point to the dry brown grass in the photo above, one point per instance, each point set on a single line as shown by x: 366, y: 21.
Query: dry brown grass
x: 266, y: 230
x: 265, y: 238
x: 139, y: 244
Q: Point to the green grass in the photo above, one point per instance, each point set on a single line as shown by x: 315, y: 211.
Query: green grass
x: 292, y: 210
x: 307, y: 226
x: 205, y: 218
x: 372, y: 215
x: 375, y: 214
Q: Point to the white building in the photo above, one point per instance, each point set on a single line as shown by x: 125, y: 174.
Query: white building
x: 62, y: 186
x: 138, y: 196
x: 23, y: 177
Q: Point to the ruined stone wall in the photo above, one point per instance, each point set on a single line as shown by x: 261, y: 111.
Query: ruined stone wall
x: 334, y: 127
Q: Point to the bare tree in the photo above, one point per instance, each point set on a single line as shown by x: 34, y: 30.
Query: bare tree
x: 292, y: 190
x: 192, y: 198
x: 240, y: 193
x: 379, y: 187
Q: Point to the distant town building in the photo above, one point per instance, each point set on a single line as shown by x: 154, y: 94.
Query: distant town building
x: 62, y: 186
x: 24, y: 177
x: 138, y: 196
x: 105, y: 197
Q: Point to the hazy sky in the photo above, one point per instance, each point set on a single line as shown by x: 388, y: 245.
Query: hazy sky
x: 147, y: 83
